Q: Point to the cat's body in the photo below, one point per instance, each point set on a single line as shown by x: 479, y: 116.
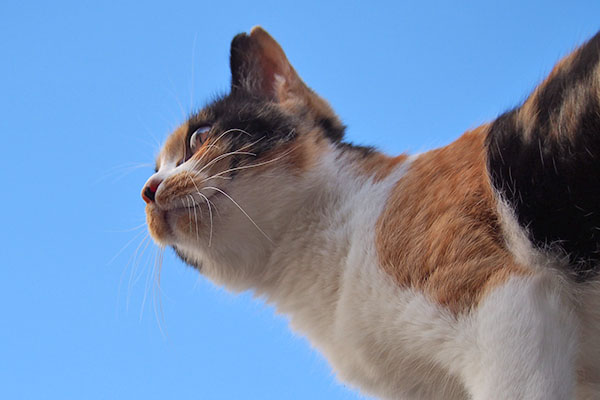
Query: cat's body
x: 421, y: 277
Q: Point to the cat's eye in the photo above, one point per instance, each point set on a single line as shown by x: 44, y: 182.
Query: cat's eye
x: 198, y: 137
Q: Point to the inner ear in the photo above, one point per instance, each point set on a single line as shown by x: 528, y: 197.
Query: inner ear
x: 260, y: 67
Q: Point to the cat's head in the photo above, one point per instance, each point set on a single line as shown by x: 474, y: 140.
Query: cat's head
x: 225, y: 176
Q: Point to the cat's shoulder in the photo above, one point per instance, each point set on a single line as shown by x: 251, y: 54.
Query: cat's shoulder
x: 441, y: 232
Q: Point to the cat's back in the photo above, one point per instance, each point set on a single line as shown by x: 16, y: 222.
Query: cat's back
x: 459, y: 282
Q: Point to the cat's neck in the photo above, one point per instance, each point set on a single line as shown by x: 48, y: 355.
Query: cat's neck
x: 330, y: 231
x: 316, y: 232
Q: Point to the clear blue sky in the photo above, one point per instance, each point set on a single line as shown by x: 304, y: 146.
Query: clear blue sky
x: 86, y: 92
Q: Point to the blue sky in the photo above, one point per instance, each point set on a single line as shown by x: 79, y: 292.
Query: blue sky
x: 88, y: 90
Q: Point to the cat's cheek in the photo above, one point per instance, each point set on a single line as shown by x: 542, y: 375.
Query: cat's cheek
x: 181, y: 224
x: 158, y: 225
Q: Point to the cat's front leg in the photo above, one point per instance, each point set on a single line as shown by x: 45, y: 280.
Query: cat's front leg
x: 524, y: 343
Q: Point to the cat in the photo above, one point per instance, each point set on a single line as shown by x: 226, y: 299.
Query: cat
x: 465, y: 272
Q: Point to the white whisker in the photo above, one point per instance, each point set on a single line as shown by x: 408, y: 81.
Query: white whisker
x: 218, y: 175
x: 239, y: 130
x: 214, y: 144
x: 202, y: 156
x: 124, y: 247
x: 147, y: 285
x: 211, y: 218
x: 120, y: 171
x: 241, y: 209
x: 130, y: 260
x: 244, y: 147
x: 195, y: 216
x: 209, y: 210
x: 187, y: 206
x: 193, y: 69
x: 157, y: 292
x: 135, y: 260
x: 135, y: 228
x: 222, y: 156
x: 154, y: 146
x: 172, y: 92
x: 219, y: 138
x: 251, y: 144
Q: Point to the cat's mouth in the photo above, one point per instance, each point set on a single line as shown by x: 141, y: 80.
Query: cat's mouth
x: 165, y: 221
x: 184, y: 203
x: 192, y: 202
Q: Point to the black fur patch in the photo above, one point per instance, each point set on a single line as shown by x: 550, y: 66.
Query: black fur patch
x: 241, y: 62
x: 553, y: 184
x: 185, y: 259
x: 584, y: 61
x: 360, y: 151
x: 247, y: 121
x: 250, y: 118
x: 333, y: 129
x: 552, y: 178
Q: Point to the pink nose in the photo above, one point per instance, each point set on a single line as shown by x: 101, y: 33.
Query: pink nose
x: 150, y: 189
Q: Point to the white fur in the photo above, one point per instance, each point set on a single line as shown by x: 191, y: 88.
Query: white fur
x: 525, y: 343
x: 582, y: 301
x: 588, y: 312
x: 319, y: 266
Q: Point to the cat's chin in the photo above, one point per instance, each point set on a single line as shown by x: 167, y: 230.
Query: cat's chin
x: 158, y: 225
x: 172, y: 226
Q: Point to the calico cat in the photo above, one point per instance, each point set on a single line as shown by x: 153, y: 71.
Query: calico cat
x: 466, y: 272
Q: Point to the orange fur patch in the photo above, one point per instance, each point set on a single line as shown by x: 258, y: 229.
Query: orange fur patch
x: 175, y: 187
x: 380, y: 166
x: 158, y: 227
x: 440, y: 232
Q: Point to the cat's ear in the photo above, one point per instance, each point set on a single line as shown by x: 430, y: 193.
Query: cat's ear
x: 259, y: 66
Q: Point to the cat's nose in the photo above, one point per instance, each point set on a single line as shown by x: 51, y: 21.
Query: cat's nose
x: 149, y: 190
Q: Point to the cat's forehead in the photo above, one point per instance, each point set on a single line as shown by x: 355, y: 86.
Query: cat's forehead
x: 233, y: 106
x: 176, y: 142
x: 236, y: 113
